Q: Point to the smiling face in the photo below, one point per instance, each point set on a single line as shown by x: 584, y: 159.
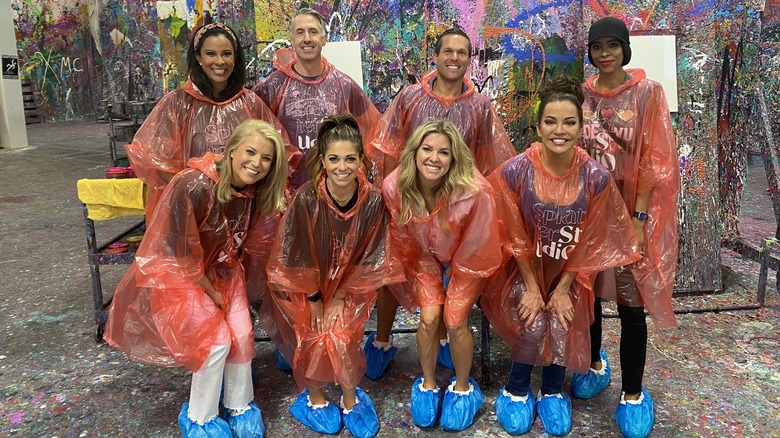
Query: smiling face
x: 251, y: 160
x: 433, y: 159
x: 341, y: 162
x: 308, y: 38
x: 559, y: 128
x: 607, y: 54
x: 453, y: 58
x: 217, y: 59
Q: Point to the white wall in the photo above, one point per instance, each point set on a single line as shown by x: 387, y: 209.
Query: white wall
x: 13, y: 130
x: 657, y: 55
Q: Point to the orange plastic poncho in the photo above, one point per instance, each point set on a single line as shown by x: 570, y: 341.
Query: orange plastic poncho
x: 629, y: 131
x: 471, y: 112
x: 187, y: 124
x: 320, y: 248
x: 462, y: 232
x: 257, y: 247
x: 301, y: 104
x: 576, y: 222
x: 159, y: 314
x: 258, y: 243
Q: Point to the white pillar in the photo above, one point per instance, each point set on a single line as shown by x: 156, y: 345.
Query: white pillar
x: 13, y: 130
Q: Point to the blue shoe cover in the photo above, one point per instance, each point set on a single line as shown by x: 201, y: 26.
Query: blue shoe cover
x: 325, y: 419
x: 458, y: 409
x: 555, y: 412
x: 445, y: 357
x: 425, y: 404
x: 377, y: 359
x: 362, y: 421
x: 190, y: 429
x: 515, y: 414
x: 248, y: 424
x: 281, y: 362
x: 635, y: 419
x: 586, y: 386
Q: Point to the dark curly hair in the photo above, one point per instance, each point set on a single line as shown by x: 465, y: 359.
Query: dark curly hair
x: 561, y: 88
x: 237, y: 78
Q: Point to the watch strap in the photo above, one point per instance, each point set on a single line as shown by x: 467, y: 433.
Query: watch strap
x: 641, y: 215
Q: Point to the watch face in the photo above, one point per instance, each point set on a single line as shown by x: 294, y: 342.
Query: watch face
x: 641, y: 215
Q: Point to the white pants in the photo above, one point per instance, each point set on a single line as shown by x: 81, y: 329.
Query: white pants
x: 207, y: 383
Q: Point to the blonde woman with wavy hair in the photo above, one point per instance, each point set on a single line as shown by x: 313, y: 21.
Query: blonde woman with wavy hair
x: 183, y: 301
x: 444, y: 232
x: 270, y: 203
x: 459, y: 177
x: 269, y: 192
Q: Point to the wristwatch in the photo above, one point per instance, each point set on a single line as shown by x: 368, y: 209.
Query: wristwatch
x: 316, y: 296
x: 641, y: 215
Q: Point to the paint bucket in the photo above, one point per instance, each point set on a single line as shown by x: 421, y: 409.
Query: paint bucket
x: 138, y: 109
x: 105, y: 109
x: 149, y: 105
x: 124, y: 133
x: 117, y: 173
x: 117, y: 247
x: 119, y: 109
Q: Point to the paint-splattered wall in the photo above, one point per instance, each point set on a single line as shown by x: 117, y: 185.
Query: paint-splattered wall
x: 515, y: 45
x: 769, y: 101
x: 81, y: 52
x: 53, y: 39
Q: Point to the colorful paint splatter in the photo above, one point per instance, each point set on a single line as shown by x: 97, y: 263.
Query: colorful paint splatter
x: 78, y: 55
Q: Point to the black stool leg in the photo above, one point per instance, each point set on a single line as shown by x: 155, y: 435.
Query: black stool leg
x: 485, y: 353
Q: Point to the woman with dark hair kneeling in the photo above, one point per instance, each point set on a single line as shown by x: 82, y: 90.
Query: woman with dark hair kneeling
x: 328, y: 259
x: 183, y: 302
x: 563, y: 221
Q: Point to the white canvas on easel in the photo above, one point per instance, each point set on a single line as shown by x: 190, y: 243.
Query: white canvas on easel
x: 345, y: 56
x: 657, y: 56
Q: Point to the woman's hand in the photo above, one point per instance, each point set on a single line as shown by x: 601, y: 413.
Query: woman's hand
x: 639, y: 232
x: 561, y: 304
x: 214, y: 294
x: 334, y: 313
x: 316, y: 315
x: 531, y: 304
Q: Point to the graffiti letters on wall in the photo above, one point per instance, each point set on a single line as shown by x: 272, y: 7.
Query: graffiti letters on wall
x: 81, y: 53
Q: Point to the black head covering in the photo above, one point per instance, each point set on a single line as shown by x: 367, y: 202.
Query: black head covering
x: 610, y: 26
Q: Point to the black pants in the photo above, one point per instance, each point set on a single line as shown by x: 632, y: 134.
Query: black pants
x: 520, y: 379
x: 633, y: 344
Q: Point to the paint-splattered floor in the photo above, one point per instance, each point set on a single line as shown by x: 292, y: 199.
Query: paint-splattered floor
x: 718, y: 375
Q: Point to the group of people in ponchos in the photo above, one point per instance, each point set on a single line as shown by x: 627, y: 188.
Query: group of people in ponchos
x: 299, y: 200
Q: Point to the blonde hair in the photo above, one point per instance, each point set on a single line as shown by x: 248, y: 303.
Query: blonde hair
x: 333, y: 128
x: 269, y: 191
x: 458, y: 178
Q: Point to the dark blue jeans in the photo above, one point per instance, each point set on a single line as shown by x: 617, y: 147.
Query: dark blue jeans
x: 520, y: 379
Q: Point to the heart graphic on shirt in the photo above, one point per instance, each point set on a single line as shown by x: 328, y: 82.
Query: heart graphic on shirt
x: 607, y: 113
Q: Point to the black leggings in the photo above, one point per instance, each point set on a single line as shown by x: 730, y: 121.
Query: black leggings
x: 633, y: 344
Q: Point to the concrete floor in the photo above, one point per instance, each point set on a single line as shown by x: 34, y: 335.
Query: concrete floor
x: 717, y: 375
